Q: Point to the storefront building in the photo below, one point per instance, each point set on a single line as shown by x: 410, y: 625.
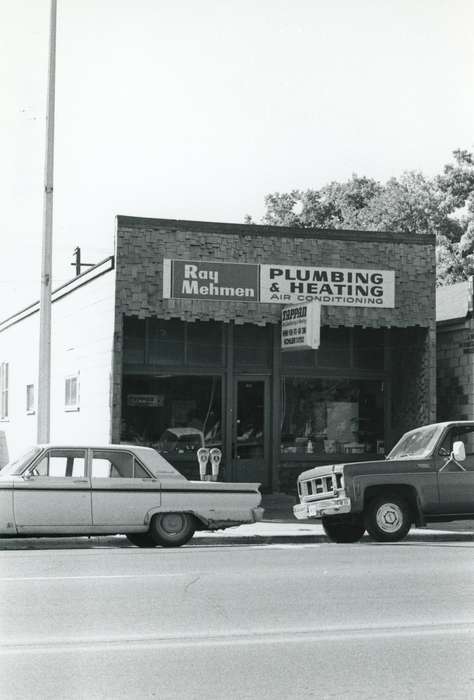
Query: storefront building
x: 455, y: 351
x: 197, y: 347
x: 176, y: 342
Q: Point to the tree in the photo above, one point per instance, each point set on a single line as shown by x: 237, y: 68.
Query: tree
x: 412, y: 203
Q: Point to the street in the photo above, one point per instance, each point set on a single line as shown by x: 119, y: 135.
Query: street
x: 278, y: 621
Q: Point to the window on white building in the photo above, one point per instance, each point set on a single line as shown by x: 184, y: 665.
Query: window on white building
x: 71, y: 399
x: 3, y: 390
x: 30, y: 398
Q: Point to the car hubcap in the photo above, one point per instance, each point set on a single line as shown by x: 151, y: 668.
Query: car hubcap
x: 389, y: 517
x: 172, y: 523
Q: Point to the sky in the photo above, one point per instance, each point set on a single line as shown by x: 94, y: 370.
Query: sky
x: 197, y: 110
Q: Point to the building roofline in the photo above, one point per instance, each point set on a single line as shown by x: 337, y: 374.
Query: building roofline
x: 280, y: 231
x: 63, y: 290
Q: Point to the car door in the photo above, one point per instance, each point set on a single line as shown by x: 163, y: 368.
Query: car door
x: 123, y: 491
x: 54, y: 495
x: 456, y: 479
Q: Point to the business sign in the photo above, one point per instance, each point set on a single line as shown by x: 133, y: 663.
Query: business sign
x: 300, y: 326
x: 146, y: 400
x: 278, y: 284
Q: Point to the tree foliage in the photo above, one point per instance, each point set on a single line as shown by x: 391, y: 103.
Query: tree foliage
x: 411, y: 203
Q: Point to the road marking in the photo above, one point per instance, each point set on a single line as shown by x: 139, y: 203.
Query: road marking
x: 245, y: 637
x: 85, y: 577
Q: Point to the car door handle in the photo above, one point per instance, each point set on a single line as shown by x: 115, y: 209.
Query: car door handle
x: 81, y: 481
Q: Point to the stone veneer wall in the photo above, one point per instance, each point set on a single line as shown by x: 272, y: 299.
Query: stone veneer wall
x: 413, y: 398
x: 141, y: 245
x: 455, y: 357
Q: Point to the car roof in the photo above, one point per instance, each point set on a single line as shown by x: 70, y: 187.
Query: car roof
x: 90, y: 446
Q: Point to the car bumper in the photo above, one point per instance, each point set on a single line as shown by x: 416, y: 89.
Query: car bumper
x: 328, y: 506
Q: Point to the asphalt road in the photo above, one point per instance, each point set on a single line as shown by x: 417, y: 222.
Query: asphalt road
x: 281, y: 621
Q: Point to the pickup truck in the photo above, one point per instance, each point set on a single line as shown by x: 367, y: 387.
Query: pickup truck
x: 427, y: 477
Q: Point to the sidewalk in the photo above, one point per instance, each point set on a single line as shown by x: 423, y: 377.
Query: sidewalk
x: 278, y: 527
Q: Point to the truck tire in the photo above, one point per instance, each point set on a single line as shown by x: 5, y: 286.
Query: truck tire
x: 343, y: 529
x: 388, y: 518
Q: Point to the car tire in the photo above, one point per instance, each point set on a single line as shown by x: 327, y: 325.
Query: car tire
x: 141, y: 539
x: 343, y: 530
x: 388, y: 518
x: 172, y: 529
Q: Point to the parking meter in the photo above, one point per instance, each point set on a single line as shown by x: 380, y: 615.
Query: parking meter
x: 203, y: 458
x: 216, y: 457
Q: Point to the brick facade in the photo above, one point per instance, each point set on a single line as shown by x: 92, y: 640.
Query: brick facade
x: 455, y: 353
x: 143, y: 243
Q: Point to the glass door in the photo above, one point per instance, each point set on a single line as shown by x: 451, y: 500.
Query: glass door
x: 251, y: 430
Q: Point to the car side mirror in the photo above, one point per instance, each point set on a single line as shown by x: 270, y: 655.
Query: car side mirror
x: 27, y: 475
x: 459, y: 451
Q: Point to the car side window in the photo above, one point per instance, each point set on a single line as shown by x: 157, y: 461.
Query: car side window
x: 114, y: 464
x: 61, y: 463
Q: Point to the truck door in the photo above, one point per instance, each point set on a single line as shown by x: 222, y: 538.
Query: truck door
x: 456, y: 479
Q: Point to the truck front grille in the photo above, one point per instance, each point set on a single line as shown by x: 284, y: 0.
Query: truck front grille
x: 321, y: 486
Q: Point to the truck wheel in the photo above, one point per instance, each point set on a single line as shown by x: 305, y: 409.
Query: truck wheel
x: 172, y: 529
x: 388, y: 518
x: 343, y: 530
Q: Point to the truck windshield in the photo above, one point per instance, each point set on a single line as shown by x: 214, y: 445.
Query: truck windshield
x: 417, y: 443
x: 17, y: 465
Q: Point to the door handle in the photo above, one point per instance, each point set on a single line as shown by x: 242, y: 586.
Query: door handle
x: 80, y: 481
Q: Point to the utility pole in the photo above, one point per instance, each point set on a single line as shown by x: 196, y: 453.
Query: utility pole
x: 44, y: 374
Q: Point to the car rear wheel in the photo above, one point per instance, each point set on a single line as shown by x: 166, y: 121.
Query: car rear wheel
x: 388, y: 518
x: 172, y: 529
x: 343, y: 530
x: 141, y: 539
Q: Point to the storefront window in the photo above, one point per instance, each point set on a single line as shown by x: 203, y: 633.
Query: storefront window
x: 174, y: 414
x: 204, y: 343
x: 357, y: 348
x: 252, y: 346
x: 369, y: 348
x: 331, y: 416
x: 165, y: 342
x: 133, y: 340
x: 335, y: 348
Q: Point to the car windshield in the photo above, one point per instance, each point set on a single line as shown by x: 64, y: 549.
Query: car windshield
x: 17, y: 465
x: 417, y: 443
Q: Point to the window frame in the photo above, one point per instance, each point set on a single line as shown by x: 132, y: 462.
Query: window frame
x: 91, y: 451
x: 45, y: 454
x: 4, y: 391
x: 76, y: 405
x: 30, y: 408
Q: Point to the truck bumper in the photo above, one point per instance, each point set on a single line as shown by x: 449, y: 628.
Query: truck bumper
x: 316, y: 509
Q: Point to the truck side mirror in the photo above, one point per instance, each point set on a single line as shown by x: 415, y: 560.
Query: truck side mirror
x: 459, y: 451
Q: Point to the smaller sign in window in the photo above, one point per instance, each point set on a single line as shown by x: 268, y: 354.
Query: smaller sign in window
x: 30, y: 398
x: 71, y: 398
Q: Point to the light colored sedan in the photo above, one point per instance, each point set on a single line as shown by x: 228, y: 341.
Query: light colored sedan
x: 116, y: 489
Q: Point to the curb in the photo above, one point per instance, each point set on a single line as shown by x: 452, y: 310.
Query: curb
x: 121, y: 542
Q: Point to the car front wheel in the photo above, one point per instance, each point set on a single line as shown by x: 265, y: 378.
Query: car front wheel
x: 172, y: 529
x: 388, y: 518
x: 343, y: 530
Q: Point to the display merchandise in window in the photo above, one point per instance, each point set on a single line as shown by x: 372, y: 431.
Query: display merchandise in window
x: 175, y: 414
x: 332, y: 416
